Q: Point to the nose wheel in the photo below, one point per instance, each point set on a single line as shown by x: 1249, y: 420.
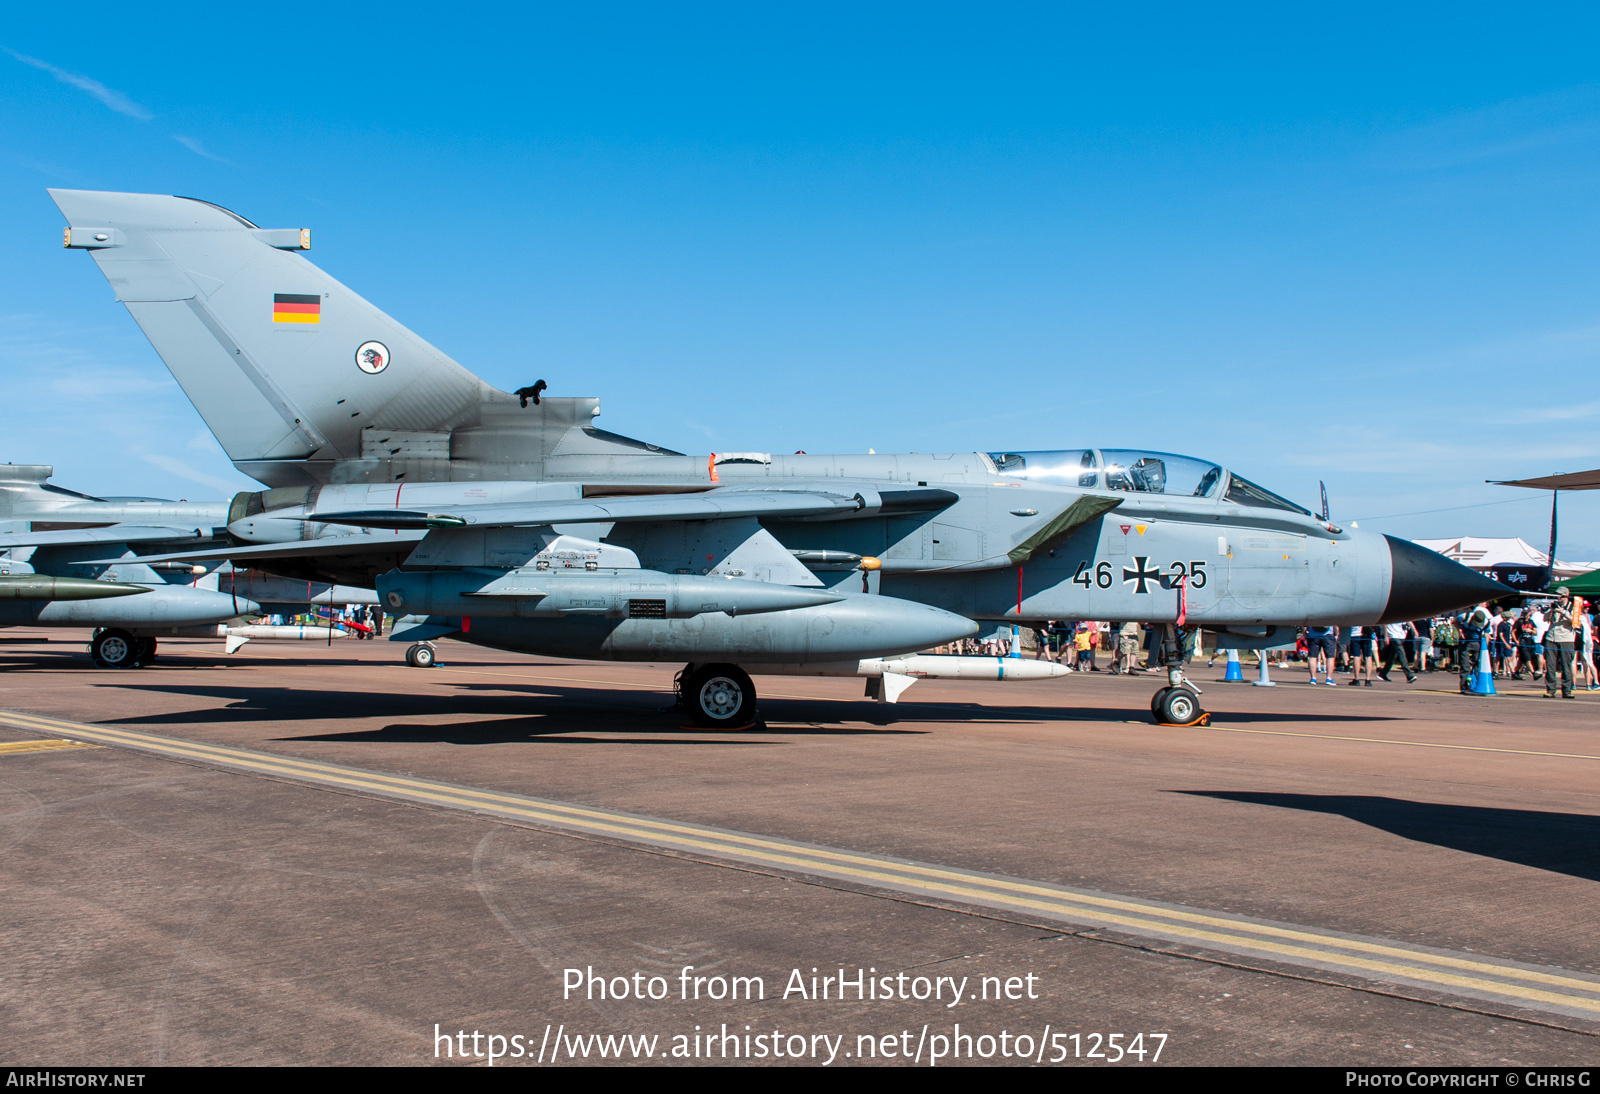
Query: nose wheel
x: 1177, y: 704
x: 421, y: 656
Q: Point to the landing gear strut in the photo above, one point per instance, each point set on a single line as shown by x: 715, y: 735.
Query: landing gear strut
x: 1177, y: 704
x: 717, y: 696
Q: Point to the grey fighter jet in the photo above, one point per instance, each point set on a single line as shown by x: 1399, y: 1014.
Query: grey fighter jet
x: 49, y: 534
x: 511, y: 520
x: 50, y: 575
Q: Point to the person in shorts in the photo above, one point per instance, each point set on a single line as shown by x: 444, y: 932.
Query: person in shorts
x: 1503, y: 650
x: 1128, y: 647
x: 1446, y: 640
x: 1320, y: 645
x: 1363, y: 655
x: 1530, y: 651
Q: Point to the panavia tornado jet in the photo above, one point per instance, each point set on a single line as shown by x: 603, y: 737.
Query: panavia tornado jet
x: 50, y: 575
x: 512, y: 521
x: 48, y: 537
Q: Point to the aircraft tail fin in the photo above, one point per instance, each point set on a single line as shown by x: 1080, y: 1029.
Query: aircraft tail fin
x: 282, y: 361
x: 20, y: 481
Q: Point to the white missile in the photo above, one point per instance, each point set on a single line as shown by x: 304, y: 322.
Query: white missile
x: 889, y: 677
x: 929, y: 666
x: 238, y: 636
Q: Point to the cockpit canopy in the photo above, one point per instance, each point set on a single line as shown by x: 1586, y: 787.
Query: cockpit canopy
x: 1138, y: 472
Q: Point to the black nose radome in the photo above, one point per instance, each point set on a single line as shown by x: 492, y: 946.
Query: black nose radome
x: 1425, y: 583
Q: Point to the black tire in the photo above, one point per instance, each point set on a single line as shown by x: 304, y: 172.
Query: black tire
x: 1179, y: 706
x: 720, y: 696
x: 421, y: 656
x: 115, y: 648
x: 1155, y: 702
x: 146, y: 650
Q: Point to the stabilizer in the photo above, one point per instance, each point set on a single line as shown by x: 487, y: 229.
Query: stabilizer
x: 281, y: 360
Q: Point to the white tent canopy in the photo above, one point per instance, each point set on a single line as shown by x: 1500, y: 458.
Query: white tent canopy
x: 1483, y: 553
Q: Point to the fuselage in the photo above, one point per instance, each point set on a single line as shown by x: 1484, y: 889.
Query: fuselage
x: 1181, y: 530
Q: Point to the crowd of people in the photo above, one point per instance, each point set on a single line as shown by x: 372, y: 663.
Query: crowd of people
x: 358, y: 620
x: 994, y: 645
x: 1553, y: 641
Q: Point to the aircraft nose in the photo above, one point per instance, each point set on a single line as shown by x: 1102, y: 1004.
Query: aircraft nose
x: 1424, y: 583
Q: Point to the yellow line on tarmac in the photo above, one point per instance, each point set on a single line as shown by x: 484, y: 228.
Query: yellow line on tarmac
x: 12, y: 747
x: 1227, y: 933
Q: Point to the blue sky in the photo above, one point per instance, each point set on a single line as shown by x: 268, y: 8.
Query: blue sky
x: 1358, y: 246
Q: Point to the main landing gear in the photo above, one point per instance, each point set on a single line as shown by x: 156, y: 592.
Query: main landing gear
x: 421, y: 655
x: 717, y: 696
x: 1177, y: 704
x: 115, y: 648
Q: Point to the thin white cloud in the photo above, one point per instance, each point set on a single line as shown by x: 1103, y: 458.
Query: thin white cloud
x: 194, y: 146
x: 1556, y: 413
x: 82, y: 365
x: 1514, y: 127
x: 111, y: 97
x: 184, y: 471
x: 711, y: 435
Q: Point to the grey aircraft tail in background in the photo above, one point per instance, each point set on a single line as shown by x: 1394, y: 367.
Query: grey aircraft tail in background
x: 511, y: 520
x: 54, y: 573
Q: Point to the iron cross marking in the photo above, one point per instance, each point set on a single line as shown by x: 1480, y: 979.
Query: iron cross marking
x: 1140, y: 574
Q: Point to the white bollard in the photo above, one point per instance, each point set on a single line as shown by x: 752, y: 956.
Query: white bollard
x: 1263, y: 681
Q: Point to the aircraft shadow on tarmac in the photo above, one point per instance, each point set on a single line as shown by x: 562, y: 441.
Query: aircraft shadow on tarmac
x: 553, y: 710
x: 1563, y: 843
x: 67, y: 657
x: 497, y: 714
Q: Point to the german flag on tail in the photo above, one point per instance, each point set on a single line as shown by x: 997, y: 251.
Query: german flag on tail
x: 290, y: 307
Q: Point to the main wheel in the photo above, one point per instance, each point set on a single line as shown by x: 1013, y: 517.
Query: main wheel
x: 115, y: 649
x: 1179, y: 706
x: 420, y: 656
x: 720, y: 696
x: 145, y: 650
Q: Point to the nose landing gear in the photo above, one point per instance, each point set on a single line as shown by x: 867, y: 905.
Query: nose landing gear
x: 1177, y: 704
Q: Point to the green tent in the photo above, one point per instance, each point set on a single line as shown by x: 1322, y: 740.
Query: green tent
x: 1584, y: 585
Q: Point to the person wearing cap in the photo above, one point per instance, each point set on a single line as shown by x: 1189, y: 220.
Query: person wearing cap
x: 1558, y: 645
x: 1477, y: 627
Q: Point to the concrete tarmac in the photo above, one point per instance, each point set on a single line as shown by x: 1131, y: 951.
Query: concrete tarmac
x: 313, y: 854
